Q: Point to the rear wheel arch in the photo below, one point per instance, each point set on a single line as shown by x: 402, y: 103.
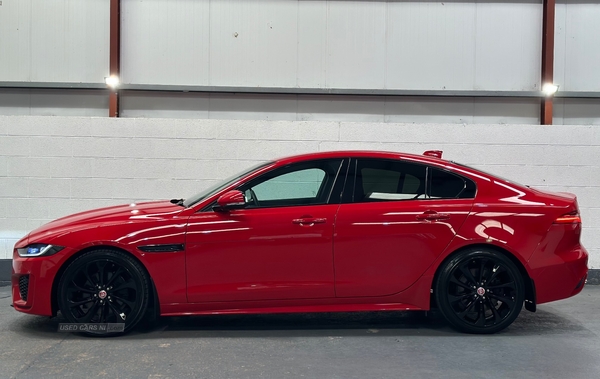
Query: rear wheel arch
x: 152, y: 296
x: 480, y: 289
x: 530, y: 298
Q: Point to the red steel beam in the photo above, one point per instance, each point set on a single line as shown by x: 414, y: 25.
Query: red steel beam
x: 115, y: 54
x: 549, y: 8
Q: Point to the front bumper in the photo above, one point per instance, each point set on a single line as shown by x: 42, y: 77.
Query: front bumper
x: 32, y: 281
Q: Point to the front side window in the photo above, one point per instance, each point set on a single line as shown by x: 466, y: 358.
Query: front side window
x: 305, y: 183
x: 301, y: 184
x: 223, y: 184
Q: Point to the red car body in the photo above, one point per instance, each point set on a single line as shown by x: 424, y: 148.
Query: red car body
x: 338, y: 256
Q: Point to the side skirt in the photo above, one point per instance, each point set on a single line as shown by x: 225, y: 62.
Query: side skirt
x: 221, y: 309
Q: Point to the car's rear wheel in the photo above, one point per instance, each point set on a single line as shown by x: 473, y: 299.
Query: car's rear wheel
x: 104, y: 286
x: 480, y: 291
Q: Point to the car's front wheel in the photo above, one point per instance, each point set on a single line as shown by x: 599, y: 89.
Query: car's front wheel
x: 480, y: 291
x: 102, y: 287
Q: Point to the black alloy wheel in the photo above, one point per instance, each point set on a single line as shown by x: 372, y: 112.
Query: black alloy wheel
x: 104, y: 286
x: 480, y: 291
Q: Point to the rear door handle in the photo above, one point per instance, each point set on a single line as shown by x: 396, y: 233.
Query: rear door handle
x: 309, y: 221
x: 433, y: 216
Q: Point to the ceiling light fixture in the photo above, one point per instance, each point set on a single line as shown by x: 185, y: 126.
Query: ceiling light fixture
x: 112, y: 81
x: 549, y: 89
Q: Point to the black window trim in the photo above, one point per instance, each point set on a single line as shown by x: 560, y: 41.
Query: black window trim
x: 428, y: 177
x: 250, y: 183
x: 464, y: 179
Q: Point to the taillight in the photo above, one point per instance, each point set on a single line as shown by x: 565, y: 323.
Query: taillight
x: 569, y: 218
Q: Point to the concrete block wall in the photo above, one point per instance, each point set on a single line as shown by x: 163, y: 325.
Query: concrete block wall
x: 54, y: 166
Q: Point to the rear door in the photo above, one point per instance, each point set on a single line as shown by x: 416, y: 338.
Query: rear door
x: 393, y: 223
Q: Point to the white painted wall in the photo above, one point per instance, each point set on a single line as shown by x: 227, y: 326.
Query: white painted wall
x: 54, y: 40
x: 577, y: 48
x: 396, y: 44
x: 393, y: 44
x: 53, y: 166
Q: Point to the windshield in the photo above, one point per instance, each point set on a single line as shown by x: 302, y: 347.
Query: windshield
x: 222, y: 184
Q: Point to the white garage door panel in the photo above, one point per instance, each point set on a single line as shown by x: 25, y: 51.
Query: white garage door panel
x: 15, y: 36
x: 422, y: 45
x: 431, y: 45
x: 253, y: 43
x: 577, y: 41
x: 509, y: 45
x: 415, y: 45
x: 54, y: 40
x: 312, y: 47
x: 356, y: 44
x: 165, y: 42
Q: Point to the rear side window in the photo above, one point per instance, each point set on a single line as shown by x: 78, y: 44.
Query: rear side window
x: 389, y: 180
x: 381, y: 180
x: 446, y: 185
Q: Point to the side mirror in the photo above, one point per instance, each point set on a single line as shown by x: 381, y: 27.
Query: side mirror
x: 230, y: 200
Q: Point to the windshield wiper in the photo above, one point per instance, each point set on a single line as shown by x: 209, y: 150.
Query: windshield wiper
x: 177, y: 201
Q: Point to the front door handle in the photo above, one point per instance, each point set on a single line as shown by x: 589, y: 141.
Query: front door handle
x: 309, y: 221
x: 433, y: 216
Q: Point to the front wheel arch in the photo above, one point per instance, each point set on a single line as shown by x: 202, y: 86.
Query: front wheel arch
x: 153, y: 299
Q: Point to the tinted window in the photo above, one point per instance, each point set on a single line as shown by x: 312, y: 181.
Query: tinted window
x: 301, y: 184
x: 298, y: 184
x: 220, y: 185
x: 386, y: 180
x: 445, y: 185
x: 381, y: 180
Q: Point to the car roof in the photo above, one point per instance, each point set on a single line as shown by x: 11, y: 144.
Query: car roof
x: 472, y: 173
x: 362, y: 154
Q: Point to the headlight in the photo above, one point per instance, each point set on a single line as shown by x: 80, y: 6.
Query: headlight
x: 38, y: 249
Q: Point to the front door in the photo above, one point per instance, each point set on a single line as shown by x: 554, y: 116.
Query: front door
x: 278, y: 247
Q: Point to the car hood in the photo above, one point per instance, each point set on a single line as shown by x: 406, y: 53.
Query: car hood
x: 102, y: 216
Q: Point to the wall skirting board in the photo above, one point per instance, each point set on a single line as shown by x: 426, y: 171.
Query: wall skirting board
x: 6, y: 265
x: 5, y: 271
x: 594, y: 277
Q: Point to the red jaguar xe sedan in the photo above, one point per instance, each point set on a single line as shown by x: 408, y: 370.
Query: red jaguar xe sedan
x: 323, y: 232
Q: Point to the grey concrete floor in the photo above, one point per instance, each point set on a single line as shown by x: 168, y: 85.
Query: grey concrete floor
x: 561, y: 340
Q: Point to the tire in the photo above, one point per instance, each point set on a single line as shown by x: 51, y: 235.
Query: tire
x: 104, y: 286
x: 480, y: 291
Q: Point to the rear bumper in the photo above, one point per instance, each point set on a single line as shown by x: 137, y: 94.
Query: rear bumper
x: 560, y: 275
